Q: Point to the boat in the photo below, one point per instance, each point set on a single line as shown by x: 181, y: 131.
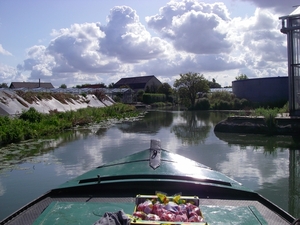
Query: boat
x: 121, y: 185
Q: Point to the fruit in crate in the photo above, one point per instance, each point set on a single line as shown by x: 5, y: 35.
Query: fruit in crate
x: 164, y: 209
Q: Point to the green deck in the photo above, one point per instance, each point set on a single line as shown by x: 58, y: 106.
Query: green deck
x: 89, y: 213
x: 137, y: 166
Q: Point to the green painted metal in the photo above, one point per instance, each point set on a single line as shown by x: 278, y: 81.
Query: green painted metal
x: 79, y: 212
x: 219, y: 215
x: 138, y: 165
x: 89, y: 213
x: 136, y: 168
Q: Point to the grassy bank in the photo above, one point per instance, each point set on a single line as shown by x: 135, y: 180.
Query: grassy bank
x: 32, y: 124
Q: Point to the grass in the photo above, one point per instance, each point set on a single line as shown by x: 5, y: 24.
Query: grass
x: 32, y: 124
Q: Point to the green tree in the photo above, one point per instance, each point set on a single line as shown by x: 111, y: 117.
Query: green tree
x: 111, y: 85
x: 63, y: 86
x: 189, y: 85
x: 241, y: 77
x: 165, y: 88
x: 213, y: 84
x: 3, y: 85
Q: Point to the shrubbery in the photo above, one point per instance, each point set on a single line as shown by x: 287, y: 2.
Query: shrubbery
x: 202, y: 104
x: 220, y: 100
x: 32, y: 124
x: 223, y: 100
x: 149, y: 98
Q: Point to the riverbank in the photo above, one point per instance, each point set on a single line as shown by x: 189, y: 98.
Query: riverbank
x: 32, y: 124
x: 281, y: 125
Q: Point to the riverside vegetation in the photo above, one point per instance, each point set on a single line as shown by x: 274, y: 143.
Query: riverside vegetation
x: 33, y: 124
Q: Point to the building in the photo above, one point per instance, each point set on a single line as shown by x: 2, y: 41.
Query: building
x: 291, y: 27
x: 145, y: 83
x: 262, y: 90
x: 30, y: 85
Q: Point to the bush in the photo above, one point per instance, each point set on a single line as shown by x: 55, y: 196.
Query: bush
x: 202, y: 104
x: 269, y: 115
x: 32, y: 124
x: 240, y: 103
x: 222, y: 105
x: 221, y: 95
x: 31, y: 115
x: 149, y: 98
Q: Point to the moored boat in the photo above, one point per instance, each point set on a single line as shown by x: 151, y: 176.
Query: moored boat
x: 122, y: 184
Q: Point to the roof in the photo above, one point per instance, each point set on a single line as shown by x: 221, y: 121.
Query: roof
x: 296, y: 11
x: 93, y: 86
x: 30, y: 85
x: 134, y: 82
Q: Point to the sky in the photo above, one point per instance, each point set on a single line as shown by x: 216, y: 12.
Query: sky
x: 75, y: 42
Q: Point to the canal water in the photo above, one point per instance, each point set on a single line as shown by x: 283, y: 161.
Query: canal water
x: 268, y: 165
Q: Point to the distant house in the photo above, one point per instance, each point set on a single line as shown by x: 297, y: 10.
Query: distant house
x: 150, y: 83
x: 30, y: 85
x: 93, y: 86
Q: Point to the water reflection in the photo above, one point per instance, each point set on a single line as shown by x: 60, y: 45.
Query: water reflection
x: 150, y: 124
x: 294, y: 183
x: 278, y: 176
x: 269, y: 143
x: 14, y: 154
x: 192, y: 127
x: 269, y: 165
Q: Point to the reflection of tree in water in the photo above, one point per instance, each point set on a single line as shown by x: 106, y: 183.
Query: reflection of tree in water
x: 270, y: 144
x: 194, y: 129
x: 16, y: 153
x: 152, y: 122
x: 101, y: 131
x: 218, y: 116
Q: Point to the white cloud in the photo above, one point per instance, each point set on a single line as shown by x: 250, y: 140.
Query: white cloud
x: 193, y: 26
x: 240, y: 163
x: 260, y: 43
x: 127, y: 39
x: 3, y: 51
x: 192, y: 36
x: 38, y: 62
x: 8, y: 73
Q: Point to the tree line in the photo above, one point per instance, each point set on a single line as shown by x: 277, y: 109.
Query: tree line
x: 188, y: 88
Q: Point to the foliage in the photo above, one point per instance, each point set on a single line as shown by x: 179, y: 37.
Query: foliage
x: 269, y: 114
x: 100, y: 85
x: 189, y: 85
x: 241, y: 77
x: 240, y: 103
x: 3, y: 85
x: 201, y: 104
x: 151, y: 88
x: 223, y: 100
x: 161, y: 104
x: 63, y: 86
x: 139, y: 96
x: 149, y: 98
x: 32, y: 124
x: 111, y: 85
x: 213, y: 84
x: 223, y: 105
x: 31, y: 115
x: 166, y: 89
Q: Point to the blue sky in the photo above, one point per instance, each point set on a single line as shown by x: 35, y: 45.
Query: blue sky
x: 77, y: 42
